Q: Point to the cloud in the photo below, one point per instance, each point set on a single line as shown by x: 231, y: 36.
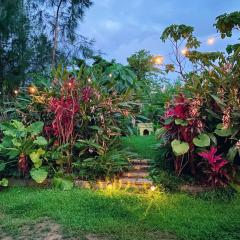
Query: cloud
x: 112, y: 25
x: 122, y: 27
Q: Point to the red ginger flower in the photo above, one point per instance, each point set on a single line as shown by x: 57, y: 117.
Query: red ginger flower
x: 226, y: 119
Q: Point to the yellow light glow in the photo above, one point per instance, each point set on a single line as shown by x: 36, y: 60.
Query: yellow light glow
x: 89, y: 80
x: 184, y: 51
x: 158, y: 60
x: 211, y: 41
x: 153, y: 188
x: 32, y: 90
x: 16, y: 92
x: 109, y: 186
x: 110, y: 75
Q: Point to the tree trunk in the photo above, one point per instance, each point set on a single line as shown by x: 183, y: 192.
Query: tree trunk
x: 55, y: 35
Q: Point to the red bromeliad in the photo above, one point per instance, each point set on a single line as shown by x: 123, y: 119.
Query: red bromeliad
x: 217, y: 176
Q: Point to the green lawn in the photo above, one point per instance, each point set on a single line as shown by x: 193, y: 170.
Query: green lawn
x: 118, y: 215
x: 144, y: 146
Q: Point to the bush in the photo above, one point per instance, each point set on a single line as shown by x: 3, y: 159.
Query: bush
x: 166, y: 180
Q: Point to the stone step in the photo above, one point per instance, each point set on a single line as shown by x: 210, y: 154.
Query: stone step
x: 140, y: 161
x: 140, y: 167
x: 118, y: 184
x: 137, y: 181
x: 133, y: 174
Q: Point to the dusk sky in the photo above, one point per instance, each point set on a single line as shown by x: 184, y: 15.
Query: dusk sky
x: 122, y: 27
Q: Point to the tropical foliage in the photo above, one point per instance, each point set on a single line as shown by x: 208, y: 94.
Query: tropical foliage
x: 201, y: 124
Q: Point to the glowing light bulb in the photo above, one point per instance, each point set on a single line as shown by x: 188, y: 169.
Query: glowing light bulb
x: 211, y: 41
x: 32, y: 90
x: 89, y: 80
x: 15, y: 92
x: 153, y: 188
x: 158, y: 60
x: 184, y: 51
x: 110, y: 75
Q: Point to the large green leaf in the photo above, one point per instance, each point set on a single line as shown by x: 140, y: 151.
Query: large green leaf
x: 202, y: 140
x: 223, y: 132
x: 179, y: 148
x: 8, y: 129
x: 18, y: 125
x: 39, y: 175
x: 13, y: 153
x: 35, y: 157
x: 41, y: 141
x: 63, y: 183
x: 4, y: 182
x: 181, y: 122
x: 35, y: 128
x: 16, y: 142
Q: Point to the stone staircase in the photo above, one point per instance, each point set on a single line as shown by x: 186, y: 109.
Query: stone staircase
x: 137, y: 177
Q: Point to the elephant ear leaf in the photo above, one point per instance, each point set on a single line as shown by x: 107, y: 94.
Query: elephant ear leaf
x: 202, y: 140
x: 223, y: 132
x: 35, y: 128
x: 179, y: 148
x: 39, y: 175
x: 41, y: 141
x: 35, y: 157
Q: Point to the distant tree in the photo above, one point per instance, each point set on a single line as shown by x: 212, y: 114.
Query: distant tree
x: 14, y: 49
x: 226, y: 24
x: 142, y: 64
x: 182, y: 40
x: 62, y: 17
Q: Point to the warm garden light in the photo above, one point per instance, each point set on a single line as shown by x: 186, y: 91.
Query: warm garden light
x: 89, y: 80
x: 153, y: 188
x: 32, y: 90
x: 16, y: 92
x: 110, y: 75
x: 211, y: 41
x: 184, y: 51
x: 158, y: 60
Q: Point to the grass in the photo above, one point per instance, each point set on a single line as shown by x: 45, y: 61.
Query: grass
x: 122, y: 215
x: 144, y: 146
